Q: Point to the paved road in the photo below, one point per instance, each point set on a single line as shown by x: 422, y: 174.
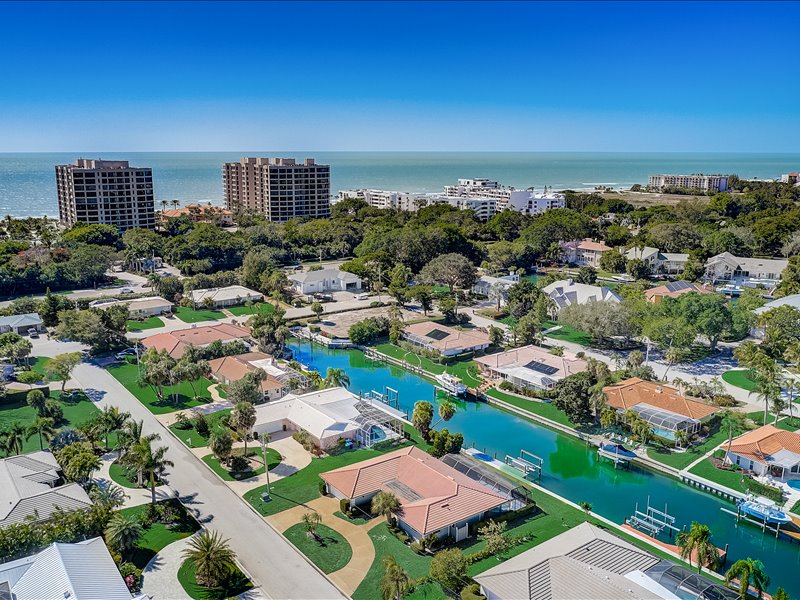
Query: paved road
x: 270, y: 560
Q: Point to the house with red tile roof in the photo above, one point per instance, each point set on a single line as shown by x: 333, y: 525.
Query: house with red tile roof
x: 584, y: 253
x: 767, y: 450
x: 434, y: 497
x: 228, y: 369
x: 664, y: 407
x: 175, y: 342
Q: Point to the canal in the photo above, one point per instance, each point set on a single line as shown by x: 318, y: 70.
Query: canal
x: 571, y: 469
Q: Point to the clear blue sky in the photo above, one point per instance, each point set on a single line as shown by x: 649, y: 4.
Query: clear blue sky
x: 647, y: 76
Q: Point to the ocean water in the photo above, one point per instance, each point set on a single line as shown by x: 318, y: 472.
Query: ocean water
x: 27, y: 181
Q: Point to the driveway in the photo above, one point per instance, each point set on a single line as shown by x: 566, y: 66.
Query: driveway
x: 273, y: 563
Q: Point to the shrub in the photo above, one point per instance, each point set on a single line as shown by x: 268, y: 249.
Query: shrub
x: 344, y: 505
x: 53, y: 410
x: 472, y: 592
x: 239, y: 463
x: 762, y: 489
x: 724, y: 400
x: 200, y: 424
x: 132, y: 575
x: 182, y: 421
x: 369, y: 330
x: 418, y: 548
x: 323, y: 490
x: 64, y: 438
x: 443, y: 442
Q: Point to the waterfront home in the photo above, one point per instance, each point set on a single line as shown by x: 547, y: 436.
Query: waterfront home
x: 175, y: 342
x: 325, y: 280
x: 584, y: 253
x: 485, y: 283
x: 663, y: 407
x: 230, y: 295
x: 767, y: 450
x: 445, y: 340
x: 80, y: 571
x: 21, y: 324
x: 669, y: 263
x: 674, y: 289
x: 276, y: 383
x: 435, y: 498
x: 531, y: 367
x: 564, y: 292
x: 743, y: 271
x: 792, y: 300
x: 139, y: 308
x: 331, y: 415
x: 589, y: 562
x: 31, y: 488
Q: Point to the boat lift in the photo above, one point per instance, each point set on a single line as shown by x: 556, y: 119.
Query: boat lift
x: 390, y: 397
x: 763, y: 523
x: 527, y: 462
x: 652, y: 521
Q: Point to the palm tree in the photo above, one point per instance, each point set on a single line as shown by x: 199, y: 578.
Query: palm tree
x: 749, y: 572
x: 311, y: 521
x: 395, y: 581
x: 13, y: 438
x: 697, y: 543
x: 149, y: 462
x: 385, y: 503
x: 221, y: 445
x: 243, y: 417
x: 111, y: 420
x: 164, y: 204
x: 110, y: 495
x: 336, y: 377
x: 315, y: 380
x: 44, y: 427
x: 213, y: 559
x: 446, y: 411
x: 123, y: 533
x: 130, y: 433
x: 767, y: 390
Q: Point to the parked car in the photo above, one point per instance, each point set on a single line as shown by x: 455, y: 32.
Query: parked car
x: 126, y: 291
x: 123, y: 354
x: 33, y: 332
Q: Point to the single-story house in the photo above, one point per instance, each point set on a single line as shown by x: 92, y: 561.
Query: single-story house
x: 531, y: 366
x: 564, y: 292
x: 792, y: 300
x: 435, y: 498
x: 31, y: 488
x: 175, y: 342
x: 584, y: 253
x: 331, y: 415
x: 670, y: 263
x: 674, y: 289
x: 767, y: 450
x: 231, y: 295
x: 485, y: 283
x: 325, y: 280
x: 21, y: 323
x: 589, y: 562
x: 445, y: 340
x: 232, y: 368
x: 664, y: 407
x: 139, y: 308
x: 80, y: 571
x: 749, y: 272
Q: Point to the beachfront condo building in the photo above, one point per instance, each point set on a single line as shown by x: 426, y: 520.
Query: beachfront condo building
x: 705, y: 183
x: 108, y: 192
x: 279, y: 188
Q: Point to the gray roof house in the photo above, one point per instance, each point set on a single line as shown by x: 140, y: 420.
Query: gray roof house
x: 20, y: 323
x: 82, y: 571
x: 659, y: 262
x: 325, y: 280
x: 566, y: 292
x: 29, y: 488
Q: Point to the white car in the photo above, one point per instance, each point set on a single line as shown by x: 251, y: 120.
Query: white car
x: 125, y: 353
x: 126, y: 291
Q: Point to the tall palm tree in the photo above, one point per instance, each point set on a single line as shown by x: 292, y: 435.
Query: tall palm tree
x: 749, y: 572
x: 767, y: 389
x: 213, y: 559
x: 123, y: 533
x: 385, y: 503
x: 311, y: 521
x: 336, y: 377
x: 395, y: 581
x: 315, y: 380
x: 243, y: 418
x: 130, y: 433
x: 697, y: 542
x: 447, y: 411
x: 44, y: 427
x: 149, y: 462
x: 110, y: 495
x: 13, y: 438
x: 111, y: 420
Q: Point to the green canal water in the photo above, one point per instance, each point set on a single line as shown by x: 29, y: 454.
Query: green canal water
x: 571, y: 469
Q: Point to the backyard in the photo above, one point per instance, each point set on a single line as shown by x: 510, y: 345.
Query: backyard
x: 263, y: 308
x: 191, y: 315
x: 681, y: 460
x: 547, y: 410
x: 176, y: 397
x: 466, y: 370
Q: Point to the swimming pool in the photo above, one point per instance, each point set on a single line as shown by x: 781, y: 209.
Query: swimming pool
x: 794, y: 484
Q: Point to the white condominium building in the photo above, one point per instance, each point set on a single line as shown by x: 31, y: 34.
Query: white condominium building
x: 715, y: 183
x: 410, y: 201
x: 279, y: 188
x: 108, y: 192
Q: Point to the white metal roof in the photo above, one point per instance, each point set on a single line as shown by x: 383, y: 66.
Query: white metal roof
x: 315, y: 276
x: 230, y: 292
x: 28, y: 319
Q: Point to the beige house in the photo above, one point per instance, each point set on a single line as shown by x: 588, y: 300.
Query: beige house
x: 584, y: 253
x: 445, y: 340
x: 750, y: 272
x: 767, y: 450
x: 531, y: 366
x: 222, y: 297
x: 228, y: 369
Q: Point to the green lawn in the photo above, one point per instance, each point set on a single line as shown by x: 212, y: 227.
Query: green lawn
x: 237, y: 584
x: 466, y: 370
x: 303, y: 486
x: 330, y: 551
x: 741, y: 378
x: 567, y: 334
x: 149, y: 323
x: 191, y: 438
x: 39, y: 365
x: 355, y: 520
x: 731, y: 479
x: 158, y: 536
x: 788, y: 424
x: 547, y: 410
x: 273, y: 460
x: 118, y: 476
x: 681, y: 460
x: 14, y: 408
x: 796, y: 508
x: 264, y: 308
x: 128, y: 375
x: 190, y: 315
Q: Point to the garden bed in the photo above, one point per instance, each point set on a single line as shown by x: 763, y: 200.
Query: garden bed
x: 158, y: 536
x: 255, y: 459
x: 236, y: 584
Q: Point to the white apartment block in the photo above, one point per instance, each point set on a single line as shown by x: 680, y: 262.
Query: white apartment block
x: 108, y: 192
x: 279, y: 188
x: 715, y: 183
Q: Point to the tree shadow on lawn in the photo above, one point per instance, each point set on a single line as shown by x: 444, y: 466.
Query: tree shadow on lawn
x: 324, y: 541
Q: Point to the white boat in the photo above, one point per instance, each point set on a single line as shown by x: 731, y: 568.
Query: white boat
x: 451, y: 384
x: 764, y: 509
x: 730, y: 290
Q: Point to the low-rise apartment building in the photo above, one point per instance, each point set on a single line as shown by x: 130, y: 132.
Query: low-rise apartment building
x: 705, y: 183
